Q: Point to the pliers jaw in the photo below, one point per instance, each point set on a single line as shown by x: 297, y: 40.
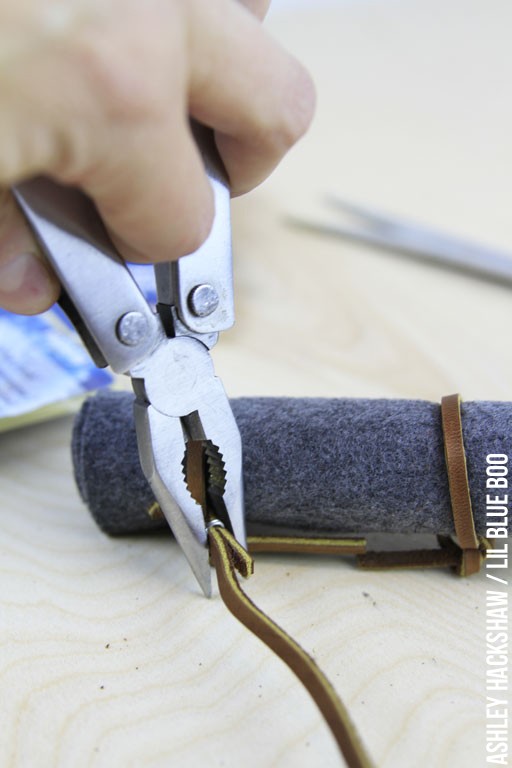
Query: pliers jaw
x: 180, y: 401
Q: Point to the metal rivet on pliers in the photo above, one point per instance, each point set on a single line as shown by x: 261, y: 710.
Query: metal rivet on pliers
x: 203, y: 300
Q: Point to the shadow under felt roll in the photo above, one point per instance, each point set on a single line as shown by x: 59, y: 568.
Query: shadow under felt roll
x: 314, y: 465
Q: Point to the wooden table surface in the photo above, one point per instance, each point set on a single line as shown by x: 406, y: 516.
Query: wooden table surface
x: 109, y: 655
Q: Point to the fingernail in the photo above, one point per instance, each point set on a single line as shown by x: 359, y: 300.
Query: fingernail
x: 25, y: 279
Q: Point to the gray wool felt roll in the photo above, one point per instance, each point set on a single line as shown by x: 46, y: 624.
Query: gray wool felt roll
x: 314, y: 465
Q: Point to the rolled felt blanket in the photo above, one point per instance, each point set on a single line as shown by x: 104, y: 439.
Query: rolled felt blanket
x: 320, y: 466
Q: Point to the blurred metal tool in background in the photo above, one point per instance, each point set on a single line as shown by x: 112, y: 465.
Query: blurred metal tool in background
x: 372, y: 227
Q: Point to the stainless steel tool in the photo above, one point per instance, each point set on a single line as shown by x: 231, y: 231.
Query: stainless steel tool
x: 370, y: 226
x: 178, y: 397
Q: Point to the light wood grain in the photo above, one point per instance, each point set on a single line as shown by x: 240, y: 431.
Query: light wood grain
x: 109, y: 656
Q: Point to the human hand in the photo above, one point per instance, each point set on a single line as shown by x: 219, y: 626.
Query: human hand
x: 98, y: 94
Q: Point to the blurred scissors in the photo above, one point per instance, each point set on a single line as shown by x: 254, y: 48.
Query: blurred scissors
x: 180, y: 403
x: 368, y: 225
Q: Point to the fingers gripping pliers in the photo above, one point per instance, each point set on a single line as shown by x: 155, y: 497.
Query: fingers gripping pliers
x: 179, y: 400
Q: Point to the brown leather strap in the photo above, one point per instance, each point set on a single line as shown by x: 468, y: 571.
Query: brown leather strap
x: 455, y: 456
x: 228, y: 556
x: 466, y: 556
x: 411, y: 558
x: 309, y: 546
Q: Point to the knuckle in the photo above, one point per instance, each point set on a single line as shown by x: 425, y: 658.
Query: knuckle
x: 189, y: 224
x: 298, y: 105
x: 193, y: 215
x: 194, y: 230
x: 278, y: 130
x: 123, y: 81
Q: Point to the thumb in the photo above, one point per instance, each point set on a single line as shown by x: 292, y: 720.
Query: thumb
x: 27, y: 284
